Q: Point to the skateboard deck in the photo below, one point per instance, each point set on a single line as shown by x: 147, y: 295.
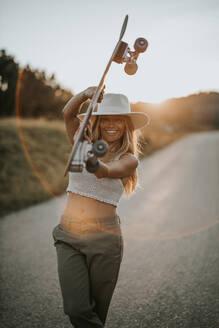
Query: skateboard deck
x: 94, y: 99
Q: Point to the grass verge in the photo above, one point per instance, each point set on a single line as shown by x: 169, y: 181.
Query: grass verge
x: 33, y: 155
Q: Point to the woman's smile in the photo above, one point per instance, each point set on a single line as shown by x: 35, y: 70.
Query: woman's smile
x: 112, y: 127
x: 111, y: 131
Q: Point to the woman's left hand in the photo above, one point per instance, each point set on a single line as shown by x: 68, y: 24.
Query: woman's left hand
x: 89, y: 92
x: 88, y: 132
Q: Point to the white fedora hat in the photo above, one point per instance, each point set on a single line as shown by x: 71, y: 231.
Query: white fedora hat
x: 118, y: 104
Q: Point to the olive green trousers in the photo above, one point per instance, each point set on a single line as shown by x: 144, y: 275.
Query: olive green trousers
x: 88, y: 263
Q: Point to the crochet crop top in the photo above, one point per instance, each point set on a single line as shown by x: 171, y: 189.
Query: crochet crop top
x: 108, y: 190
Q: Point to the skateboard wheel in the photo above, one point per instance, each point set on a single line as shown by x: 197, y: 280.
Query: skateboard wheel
x: 100, y: 148
x: 131, y: 68
x: 91, y: 168
x: 141, y: 45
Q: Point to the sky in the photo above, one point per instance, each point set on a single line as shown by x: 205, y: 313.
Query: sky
x: 75, y: 39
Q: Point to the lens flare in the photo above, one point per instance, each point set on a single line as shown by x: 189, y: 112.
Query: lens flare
x: 21, y: 136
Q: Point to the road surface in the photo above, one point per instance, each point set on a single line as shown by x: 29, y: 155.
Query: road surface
x: 169, y: 276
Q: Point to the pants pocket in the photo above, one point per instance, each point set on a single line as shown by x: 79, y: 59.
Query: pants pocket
x: 55, y: 241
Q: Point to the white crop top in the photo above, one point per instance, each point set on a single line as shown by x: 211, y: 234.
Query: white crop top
x: 108, y: 190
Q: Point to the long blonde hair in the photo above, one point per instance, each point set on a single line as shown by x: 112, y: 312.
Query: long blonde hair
x: 130, y: 143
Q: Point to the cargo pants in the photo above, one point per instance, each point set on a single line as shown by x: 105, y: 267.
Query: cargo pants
x: 88, y: 263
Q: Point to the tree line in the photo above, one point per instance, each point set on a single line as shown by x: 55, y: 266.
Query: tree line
x: 39, y: 95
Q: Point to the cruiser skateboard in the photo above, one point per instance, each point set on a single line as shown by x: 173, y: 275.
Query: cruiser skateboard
x: 84, y: 153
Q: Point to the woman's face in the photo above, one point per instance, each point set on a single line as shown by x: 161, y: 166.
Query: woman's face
x: 112, y: 127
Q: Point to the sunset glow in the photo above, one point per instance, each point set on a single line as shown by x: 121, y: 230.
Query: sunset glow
x: 74, y: 40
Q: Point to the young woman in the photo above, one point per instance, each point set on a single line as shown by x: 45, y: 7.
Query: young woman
x: 88, y: 239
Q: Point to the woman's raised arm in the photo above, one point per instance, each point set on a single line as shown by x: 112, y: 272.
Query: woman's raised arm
x: 71, y: 110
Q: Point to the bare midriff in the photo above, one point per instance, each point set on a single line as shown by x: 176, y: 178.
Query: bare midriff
x: 80, y: 207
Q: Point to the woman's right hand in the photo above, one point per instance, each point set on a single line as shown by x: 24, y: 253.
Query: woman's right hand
x: 89, y: 92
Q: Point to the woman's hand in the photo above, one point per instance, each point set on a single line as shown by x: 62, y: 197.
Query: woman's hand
x: 88, y: 132
x: 89, y: 92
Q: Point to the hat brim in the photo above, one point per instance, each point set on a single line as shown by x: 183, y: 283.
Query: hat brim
x: 138, y: 119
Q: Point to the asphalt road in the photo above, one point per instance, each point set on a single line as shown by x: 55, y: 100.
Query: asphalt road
x: 169, y: 276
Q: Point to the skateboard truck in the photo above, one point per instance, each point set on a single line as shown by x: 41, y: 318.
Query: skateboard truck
x: 125, y: 55
x: 88, y: 153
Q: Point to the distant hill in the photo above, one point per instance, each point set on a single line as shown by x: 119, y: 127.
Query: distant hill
x: 193, y: 111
